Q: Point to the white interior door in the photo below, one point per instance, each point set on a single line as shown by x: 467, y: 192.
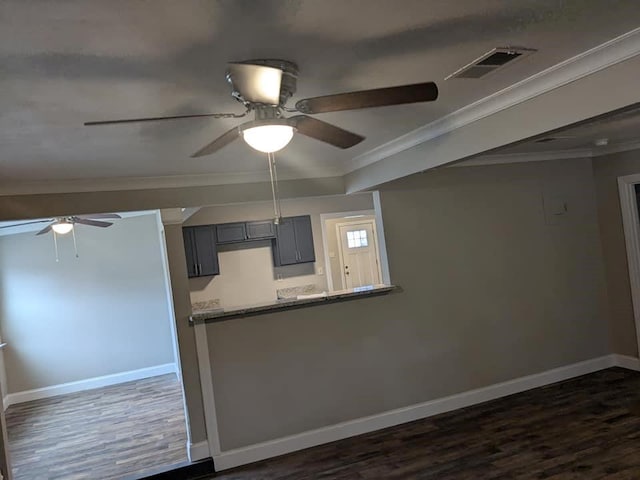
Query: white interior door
x: 358, y: 254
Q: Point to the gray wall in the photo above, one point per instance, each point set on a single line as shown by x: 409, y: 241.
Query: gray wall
x: 102, y: 313
x: 489, y: 292
x: 492, y: 289
x: 606, y: 170
x: 247, y: 274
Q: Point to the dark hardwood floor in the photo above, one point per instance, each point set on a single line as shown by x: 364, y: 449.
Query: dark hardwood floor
x: 585, y: 428
x: 101, y: 434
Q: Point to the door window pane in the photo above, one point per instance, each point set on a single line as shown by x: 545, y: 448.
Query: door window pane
x: 357, y: 239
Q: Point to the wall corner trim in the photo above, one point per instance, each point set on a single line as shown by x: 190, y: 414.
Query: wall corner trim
x: 260, y: 451
x: 171, y: 216
x: 198, y: 451
x: 625, y: 361
x: 88, y: 384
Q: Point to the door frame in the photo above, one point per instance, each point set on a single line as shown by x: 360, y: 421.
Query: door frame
x: 325, y: 245
x: 374, y: 231
x: 631, y: 227
x: 172, y: 323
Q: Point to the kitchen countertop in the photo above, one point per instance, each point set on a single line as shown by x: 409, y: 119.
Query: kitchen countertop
x: 221, y: 314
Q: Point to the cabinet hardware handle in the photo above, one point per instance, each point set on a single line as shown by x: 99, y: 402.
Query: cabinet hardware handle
x: 199, y: 269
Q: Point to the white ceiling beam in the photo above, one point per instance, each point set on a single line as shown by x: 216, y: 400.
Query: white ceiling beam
x: 594, y: 95
x: 595, y: 82
x: 501, y: 158
x: 152, y: 183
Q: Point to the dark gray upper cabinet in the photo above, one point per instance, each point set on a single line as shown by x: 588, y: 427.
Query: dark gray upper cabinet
x: 190, y: 251
x: 200, y: 251
x: 285, y: 251
x: 304, y: 239
x: 245, y: 231
x: 231, y: 232
x: 260, y: 229
x: 294, y: 241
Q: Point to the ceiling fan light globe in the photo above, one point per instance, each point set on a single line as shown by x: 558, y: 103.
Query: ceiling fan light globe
x: 268, y: 138
x: 62, y: 228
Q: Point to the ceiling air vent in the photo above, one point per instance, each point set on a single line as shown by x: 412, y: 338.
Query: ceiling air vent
x: 490, y: 62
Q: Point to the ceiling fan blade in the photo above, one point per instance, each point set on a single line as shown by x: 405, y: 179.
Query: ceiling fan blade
x: 46, y: 229
x: 159, y: 119
x: 379, y: 97
x: 325, y: 132
x: 256, y: 83
x: 25, y: 223
x: 99, y: 215
x: 220, y: 142
x: 93, y: 223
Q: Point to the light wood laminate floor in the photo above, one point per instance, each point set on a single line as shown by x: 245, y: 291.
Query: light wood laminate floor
x: 587, y: 428
x: 99, y: 434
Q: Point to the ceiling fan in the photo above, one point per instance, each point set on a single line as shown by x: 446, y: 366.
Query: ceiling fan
x: 63, y: 225
x: 265, y: 86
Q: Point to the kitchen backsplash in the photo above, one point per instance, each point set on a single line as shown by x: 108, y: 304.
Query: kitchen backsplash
x: 292, y: 292
x: 206, y: 305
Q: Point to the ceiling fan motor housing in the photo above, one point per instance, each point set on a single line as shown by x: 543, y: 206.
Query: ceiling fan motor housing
x: 267, y: 112
x: 288, y: 82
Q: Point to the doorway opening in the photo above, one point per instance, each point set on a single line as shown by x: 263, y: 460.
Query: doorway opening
x: 629, y: 190
x: 89, y: 372
x: 352, y: 250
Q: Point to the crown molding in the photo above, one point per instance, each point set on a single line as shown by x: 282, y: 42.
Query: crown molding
x: 523, y: 157
x: 150, y: 183
x: 503, y: 158
x: 619, y: 148
x: 598, y: 58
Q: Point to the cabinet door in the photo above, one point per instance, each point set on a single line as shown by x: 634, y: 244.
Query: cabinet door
x: 304, y: 239
x: 231, y: 232
x: 284, y: 246
x: 260, y: 229
x: 190, y: 251
x: 206, y: 251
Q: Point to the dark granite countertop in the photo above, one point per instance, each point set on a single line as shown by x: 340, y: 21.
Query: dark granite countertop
x: 220, y: 314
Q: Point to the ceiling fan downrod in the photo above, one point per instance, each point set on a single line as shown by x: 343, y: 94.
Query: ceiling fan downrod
x: 273, y: 173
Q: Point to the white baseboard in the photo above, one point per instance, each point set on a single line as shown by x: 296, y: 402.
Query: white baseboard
x: 88, y: 384
x: 626, y: 361
x: 253, y: 453
x: 198, y: 451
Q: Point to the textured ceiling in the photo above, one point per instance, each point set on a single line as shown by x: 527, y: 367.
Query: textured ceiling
x: 66, y: 62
